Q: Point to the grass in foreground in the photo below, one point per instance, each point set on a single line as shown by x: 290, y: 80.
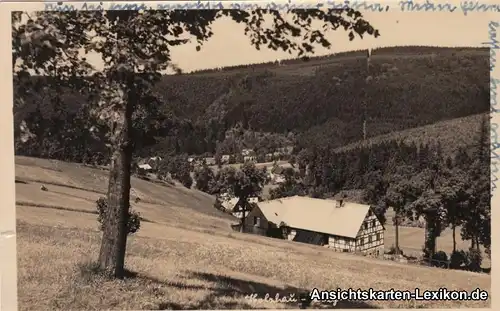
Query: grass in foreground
x: 177, y: 268
x: 187, y: 258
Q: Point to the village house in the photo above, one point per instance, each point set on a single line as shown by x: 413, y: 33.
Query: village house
x: 276, y: 175
x: 339, y: 225
x: 210, y: 161
x: 230, y: 202
x: 225, y: 158
x: 145, y: 167
x: 246, y: 152
x: 250, y: 158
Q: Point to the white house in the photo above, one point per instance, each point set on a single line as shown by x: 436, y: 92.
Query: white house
x: 249, y: 158
x: 246, y: 152
x: 210, y: 161
x: 339, y: 225
x: 145, y: 167
x: 230, y: 202
x: 225, y: 158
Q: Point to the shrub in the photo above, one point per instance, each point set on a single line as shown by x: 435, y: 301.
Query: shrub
x: 474, y: 259
x: 186, y: 180
x: 458, y: 259
x: 392, y: 250
x: 134, y: 219
x: 440, y: 259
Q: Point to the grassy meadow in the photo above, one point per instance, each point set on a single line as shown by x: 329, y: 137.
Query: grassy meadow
x: 185, y: 256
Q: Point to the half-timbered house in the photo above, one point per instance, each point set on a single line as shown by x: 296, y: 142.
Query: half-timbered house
x: 336, y: 224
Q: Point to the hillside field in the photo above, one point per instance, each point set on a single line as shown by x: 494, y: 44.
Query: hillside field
x: 185, y: 256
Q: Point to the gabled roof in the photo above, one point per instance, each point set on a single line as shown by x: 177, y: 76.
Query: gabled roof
x: 316, y: 215
x: 145, y: 166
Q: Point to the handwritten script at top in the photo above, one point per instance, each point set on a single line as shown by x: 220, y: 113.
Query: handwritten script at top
x: 465, y: 7
x: 494, y: 46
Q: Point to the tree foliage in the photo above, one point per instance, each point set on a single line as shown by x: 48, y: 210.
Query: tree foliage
x: 205, y: 179
x: 243, y: 183
x: 135, y: 47
x: 133, y: 222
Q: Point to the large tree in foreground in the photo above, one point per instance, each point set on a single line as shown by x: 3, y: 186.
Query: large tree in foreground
x: 135, y: 48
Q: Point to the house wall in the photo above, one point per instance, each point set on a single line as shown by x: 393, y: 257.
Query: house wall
x: 251, y: 227
x: 370, y: 238
x: 341, y: 244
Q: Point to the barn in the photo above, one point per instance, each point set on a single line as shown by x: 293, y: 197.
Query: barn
x: 337, y: 224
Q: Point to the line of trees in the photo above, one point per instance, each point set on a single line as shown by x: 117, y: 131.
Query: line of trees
x: 417, y: 181
x: 192, y: 114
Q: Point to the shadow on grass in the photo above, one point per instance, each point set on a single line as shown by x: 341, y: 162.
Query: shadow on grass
x: 243, y: 288
x: 224, y: 292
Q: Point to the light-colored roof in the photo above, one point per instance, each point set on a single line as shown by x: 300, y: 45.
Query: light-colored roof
x: 316, y: 215
x: 145, y: 166
x: 230, y: 203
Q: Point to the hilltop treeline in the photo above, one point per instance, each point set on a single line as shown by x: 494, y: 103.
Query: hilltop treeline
x: 314, y: 104
x: 415, y: 49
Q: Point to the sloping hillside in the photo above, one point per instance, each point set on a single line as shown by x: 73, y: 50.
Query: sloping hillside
x: 73, y: 186
x: 185, y: 256
x: 451, y: 134
x: 320, y: 101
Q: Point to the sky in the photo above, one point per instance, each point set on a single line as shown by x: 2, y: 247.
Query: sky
x: 229, y: 46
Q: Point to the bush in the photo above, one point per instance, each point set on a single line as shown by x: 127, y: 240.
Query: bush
x: 134, y: 219
x: 440, y: 259
x: 392, y: 250
x: 458, y: 259
x: 474, y: 259
x: 186, y: 180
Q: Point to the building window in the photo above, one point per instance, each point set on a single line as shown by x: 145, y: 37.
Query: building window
x: 369, y: 239
x: 369, y: 213
x: 373, y: 223
x: 378, y: 237
x: 366, y: 225
x: 256, y: 221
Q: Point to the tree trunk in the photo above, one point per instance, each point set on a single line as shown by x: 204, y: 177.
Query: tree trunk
x: 397, y: 234
x: 454, y: 238
x: 242, y: 204
x: 430, y: 234
x: 242, y: 228
x: 114, y: 238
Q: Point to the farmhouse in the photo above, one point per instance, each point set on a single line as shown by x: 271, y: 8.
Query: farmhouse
x: 230, y: 202
x: 210, y: 161
x: 246, y: 152
x: 145, y: 167
x: 339, y: 225
x: 225, y: 158
x: 250, y: 158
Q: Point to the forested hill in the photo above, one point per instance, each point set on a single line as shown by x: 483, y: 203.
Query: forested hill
x: 319, y: 100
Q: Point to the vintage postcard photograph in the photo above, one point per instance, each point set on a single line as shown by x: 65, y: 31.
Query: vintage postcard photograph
x: 215, y: 156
